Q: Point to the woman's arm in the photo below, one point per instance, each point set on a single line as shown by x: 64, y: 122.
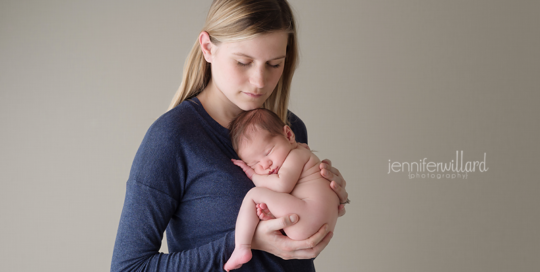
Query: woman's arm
x: 145, y: 216
x: 154, y: 192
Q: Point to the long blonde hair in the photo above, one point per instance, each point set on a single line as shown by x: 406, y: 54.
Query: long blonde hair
x: 236, y: 20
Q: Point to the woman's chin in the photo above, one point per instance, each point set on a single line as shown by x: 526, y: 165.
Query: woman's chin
x: 250, y: 106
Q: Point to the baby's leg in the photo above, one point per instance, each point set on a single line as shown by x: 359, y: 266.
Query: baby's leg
x: 246, y: 223
x: 247, y: 220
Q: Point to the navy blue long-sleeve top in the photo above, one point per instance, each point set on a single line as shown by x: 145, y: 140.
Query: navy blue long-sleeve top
x: 183, y: 181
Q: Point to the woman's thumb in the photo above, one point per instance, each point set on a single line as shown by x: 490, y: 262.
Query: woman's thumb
x: 282, y: 222
x: 291, y: 220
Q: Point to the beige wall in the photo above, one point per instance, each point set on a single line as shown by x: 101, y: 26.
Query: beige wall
x: 81, y: 81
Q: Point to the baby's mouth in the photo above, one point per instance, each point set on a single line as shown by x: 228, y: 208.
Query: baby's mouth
x: 274, y: 171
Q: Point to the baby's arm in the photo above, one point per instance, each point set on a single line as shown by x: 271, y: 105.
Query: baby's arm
x: 288, y: 174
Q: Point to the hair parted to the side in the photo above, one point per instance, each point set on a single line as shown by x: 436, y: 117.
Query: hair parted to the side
x: 236, y: 20
x: 252, y: 120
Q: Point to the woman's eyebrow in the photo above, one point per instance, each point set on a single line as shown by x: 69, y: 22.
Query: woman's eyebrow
x: 248, y: 56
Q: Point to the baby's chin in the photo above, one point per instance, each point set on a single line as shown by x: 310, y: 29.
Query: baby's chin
x: 261, y: 173
x: 264, y: 173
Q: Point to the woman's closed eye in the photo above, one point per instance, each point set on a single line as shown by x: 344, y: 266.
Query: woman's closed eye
x: 274, y: 65
x: 245, y: 64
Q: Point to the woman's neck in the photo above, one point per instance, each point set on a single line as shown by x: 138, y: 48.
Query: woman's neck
x: 218, y: 106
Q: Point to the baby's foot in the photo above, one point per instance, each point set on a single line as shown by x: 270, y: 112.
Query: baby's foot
x: 263, y: 212
x: 240, y: 256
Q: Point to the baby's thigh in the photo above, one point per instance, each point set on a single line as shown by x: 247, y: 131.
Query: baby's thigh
x: 279, y: 204
x: 282, y: 204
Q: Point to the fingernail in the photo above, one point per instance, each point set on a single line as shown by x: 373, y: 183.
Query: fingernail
x: 293, y: 218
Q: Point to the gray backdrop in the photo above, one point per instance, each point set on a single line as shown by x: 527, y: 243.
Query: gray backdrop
x: 379, y: 82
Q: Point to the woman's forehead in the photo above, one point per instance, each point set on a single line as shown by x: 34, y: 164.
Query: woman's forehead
x: 265, y: 47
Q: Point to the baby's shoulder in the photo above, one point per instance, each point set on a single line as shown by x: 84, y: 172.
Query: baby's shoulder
x: 304, y: 157
x: 300, y: 153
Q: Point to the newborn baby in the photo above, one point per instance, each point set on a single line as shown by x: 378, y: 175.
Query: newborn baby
x: 287, y: 179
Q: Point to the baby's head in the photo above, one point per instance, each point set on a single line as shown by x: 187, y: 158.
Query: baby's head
x: 261, y: 140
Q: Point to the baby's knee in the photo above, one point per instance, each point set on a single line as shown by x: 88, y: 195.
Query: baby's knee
x: 257, y: 192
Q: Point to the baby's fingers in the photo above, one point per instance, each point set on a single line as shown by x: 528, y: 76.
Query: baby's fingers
x: 238, y: 162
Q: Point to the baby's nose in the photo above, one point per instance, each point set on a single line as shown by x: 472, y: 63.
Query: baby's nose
x: 268, y: 164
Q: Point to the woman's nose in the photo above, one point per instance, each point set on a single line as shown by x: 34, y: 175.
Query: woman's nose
x: 257, y: 77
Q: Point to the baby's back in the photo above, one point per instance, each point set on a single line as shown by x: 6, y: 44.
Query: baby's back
x: 321, y: 201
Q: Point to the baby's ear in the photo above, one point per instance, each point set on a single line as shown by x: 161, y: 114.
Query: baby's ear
x: 289, y: 134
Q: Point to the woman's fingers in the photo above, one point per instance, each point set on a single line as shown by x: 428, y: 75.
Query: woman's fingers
x: 308, y: 248
x: 337, y: 183
x: 340, y: 191
x: 331, y: 173
x: 269, y: 238
x: 310, y: 253
x: 315, y: 251
x: 314, y: 240
x: 341, y: 210
x: 281, y: 223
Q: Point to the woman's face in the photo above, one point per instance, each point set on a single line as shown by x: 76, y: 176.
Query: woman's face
x: 246, y: 72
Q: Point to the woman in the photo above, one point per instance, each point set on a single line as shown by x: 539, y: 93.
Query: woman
x: 182, y: 179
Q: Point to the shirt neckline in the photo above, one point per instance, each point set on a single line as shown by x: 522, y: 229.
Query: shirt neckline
x: 213, y: 123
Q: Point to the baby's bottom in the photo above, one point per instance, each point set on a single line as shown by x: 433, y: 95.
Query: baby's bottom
x: 312, y: 213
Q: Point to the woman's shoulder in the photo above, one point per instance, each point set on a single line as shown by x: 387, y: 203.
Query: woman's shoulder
x: 181, y: 117
x: 174, y: 124
x: 298, y: 127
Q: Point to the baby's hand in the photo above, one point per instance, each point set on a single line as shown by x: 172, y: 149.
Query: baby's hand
x: 249, y: 172
x: 263, y: 212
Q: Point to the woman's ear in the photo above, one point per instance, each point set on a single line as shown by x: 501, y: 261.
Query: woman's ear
x: 206, y: 46
x: 289, y: 134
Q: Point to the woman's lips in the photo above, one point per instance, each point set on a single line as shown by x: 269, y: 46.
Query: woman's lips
x: 253, y: 95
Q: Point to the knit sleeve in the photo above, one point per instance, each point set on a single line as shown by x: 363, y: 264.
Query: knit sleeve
x: 144, y: 218
x: 153, y: 193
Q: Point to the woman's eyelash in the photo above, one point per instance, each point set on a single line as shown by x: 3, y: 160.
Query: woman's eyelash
x: 247, y: 64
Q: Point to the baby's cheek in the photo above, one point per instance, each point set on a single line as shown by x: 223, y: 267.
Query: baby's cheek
x: 259, y: 170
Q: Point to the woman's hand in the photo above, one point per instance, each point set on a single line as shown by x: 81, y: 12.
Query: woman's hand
x: 337, y: 183
x: 269, y: 238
